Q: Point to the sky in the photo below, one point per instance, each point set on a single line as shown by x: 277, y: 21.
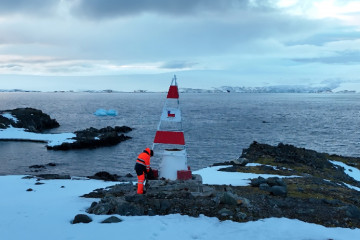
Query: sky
x: 130, y: 45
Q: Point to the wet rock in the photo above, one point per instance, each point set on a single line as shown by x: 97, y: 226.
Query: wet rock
x: 53, y: 176
x: 112, y: 219
x: 37, y: 166
x: 29, y: 190
x: 81, y: 218
x: 94, y: 138
x: 105, y: 176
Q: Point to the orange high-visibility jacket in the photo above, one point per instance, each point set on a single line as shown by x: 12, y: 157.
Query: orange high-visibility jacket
x: 144, y: 159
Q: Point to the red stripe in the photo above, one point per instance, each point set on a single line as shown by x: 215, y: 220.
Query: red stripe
x: 173, y: 92
x: 166, y: 137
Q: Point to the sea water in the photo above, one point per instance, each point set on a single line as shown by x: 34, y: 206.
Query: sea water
x: 217, y: 126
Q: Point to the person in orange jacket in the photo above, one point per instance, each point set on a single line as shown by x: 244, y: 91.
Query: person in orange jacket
x: 142, y: 167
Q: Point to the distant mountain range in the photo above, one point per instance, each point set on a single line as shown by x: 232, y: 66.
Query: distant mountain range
x: 226, y: 89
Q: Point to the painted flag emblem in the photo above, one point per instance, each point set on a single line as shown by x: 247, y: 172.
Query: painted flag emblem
x: 171, y: 114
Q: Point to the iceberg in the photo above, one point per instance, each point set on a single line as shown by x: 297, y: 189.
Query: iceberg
x: 104, y: 112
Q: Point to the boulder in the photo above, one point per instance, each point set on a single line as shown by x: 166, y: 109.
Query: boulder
x: 81, y: 218
x: 278, y: 191
x: 112, y: 219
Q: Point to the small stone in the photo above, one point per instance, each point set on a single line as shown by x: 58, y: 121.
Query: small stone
x: 29, y: 189
x: 39, y: 183
x: 225, y: 212
x: 81, y: 218
x: 62, y: 187
x: 129, y: 175
x: 264, y: 187
x: 279, y: 191
x: 112, y: 219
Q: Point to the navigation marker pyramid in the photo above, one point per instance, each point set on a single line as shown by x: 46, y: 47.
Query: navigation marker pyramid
x: 169, y: 142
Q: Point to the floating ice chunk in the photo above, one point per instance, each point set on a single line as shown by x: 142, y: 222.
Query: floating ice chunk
x: 103, y: 112
x: 112, y: 112
x: 11, y: 117
x: 100, y: 112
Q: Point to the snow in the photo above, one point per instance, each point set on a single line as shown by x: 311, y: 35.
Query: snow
x: 12, y: 133
x: 46, y: 213
x: 103, y: 112
x: 351, y: 171
x: 10, y: 116
x: 211, y: 175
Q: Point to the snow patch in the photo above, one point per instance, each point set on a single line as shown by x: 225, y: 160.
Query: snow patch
x: 10, y: 116
x: 351, y: 171
x: 12, y: 133
x: 212, y: 175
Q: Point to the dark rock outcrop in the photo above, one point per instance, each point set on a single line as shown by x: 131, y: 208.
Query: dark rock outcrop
x: 105, y: 176
x: 94, y: 138
x: 81, y: 218
x: 112, y: 219
x: 33, y: 120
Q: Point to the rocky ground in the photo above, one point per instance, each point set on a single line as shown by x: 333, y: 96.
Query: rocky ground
x: 318, y: 195
x: 34, y: 120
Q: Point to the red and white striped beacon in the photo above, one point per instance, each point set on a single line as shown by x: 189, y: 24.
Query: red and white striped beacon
x: 169, y: 142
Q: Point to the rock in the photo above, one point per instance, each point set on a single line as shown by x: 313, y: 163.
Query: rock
x: 37, y: 166
x: 275, y: 181
x: 33, y: 120
x: 81, y: 218
x: 224, y: 212
x: 94, y: 138
x: 112, y: 219
x: 241, y: 215
x: 105, y: 176
x: 129, y: 175
x: 255, y: 182
x: 228, y: 198
x: 51, y: 164
x: 278, y: 191
x: 29, y: 190
x: 353, y: 212
x: 53, y: 176
x: 241, y: 161
x: 264, y: 187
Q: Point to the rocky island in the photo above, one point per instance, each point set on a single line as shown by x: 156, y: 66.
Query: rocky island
x: 28, y: 124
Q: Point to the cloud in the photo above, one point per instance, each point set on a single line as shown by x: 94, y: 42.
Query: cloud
x: 178, y: 65
x: 344, y: 57
x: 32, y: 7
x: 118, y: 8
